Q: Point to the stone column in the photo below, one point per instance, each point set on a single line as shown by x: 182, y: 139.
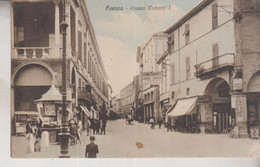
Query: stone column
x: 239, y: 103
x: 68, y: 29
x: 13, y: 128
x: 57, y: 29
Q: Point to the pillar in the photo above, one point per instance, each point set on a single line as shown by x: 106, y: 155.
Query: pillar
x: 68, y: 29
x: 57, y: 29
x: 239, y: 103
x: 205, y: 117
x: 13, y: 128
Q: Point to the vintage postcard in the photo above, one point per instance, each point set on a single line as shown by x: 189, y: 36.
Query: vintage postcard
x: 134, y: 79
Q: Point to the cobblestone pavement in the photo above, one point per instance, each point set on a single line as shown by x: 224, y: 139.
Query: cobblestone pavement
x: 140, y: 141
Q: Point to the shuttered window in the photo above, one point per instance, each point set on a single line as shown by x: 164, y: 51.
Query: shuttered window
x: 214, y: 16
x: 187, y: 34
x: 215, y: 50
x: 171, y: 44
x: 80, y: 44
x: 172, y: 73
x: 187, y: 63
x: 85, y: 54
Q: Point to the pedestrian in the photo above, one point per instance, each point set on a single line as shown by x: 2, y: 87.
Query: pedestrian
x: 88, y: 127
x: 28, y: 127
x: 169, y: 126
x: 91, y: 149
x: 152, y: 122
x: 159, y: 122
x: 103, y: 127
x: 97, y: 126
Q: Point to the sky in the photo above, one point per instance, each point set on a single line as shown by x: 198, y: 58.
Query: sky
x: 119, y: 33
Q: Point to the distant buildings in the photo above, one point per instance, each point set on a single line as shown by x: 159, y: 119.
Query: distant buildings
x: 150, y: 74
x: 128, y: 97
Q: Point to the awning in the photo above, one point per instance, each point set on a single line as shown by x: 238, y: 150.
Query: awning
x: 95, y: 116
x: 183, y: 107
x: 86, y: 111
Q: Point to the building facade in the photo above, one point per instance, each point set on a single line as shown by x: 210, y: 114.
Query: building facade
x: 150, y: 73
x: 215, y: 67
x: 127, y: 99
x: 36, y: 56
x: 165, y: 93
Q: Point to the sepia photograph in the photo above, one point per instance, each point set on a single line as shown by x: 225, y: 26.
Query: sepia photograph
x: 134, y: 79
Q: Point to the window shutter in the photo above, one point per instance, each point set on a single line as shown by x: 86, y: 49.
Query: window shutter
x: 187, y: 63
x: 172, y: 73
x: 187, y: 67
x: 187, y: 34
x: 215, y: 50
x: 80, y: 44
x: 214, y: 16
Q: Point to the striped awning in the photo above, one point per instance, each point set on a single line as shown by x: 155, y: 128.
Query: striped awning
x: 86, y: 111
x: 183, y: 107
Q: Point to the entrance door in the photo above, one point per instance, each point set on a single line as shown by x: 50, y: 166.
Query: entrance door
x: 222, y: 114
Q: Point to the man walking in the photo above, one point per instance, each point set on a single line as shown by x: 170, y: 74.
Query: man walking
x: 159, y: 122
x: 91, y: 149
x: 103, y: 127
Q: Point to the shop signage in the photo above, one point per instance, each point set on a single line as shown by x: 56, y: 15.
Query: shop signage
x: 165, y: 101
x: 237, y: 84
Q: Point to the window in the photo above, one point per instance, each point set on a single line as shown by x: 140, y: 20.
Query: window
x: 80, y: 83
x: 188, y: 91
x: 173, y: 94
x: 72, y: 30
x: 172, y: 73
x: 215, y: 52
x: 85, y: 54
x: 152, y: 96
x: 187, y: 34
x: 187, y: 63
x: 80, y: 44
x: 88, y: 62
x: 171, y: 44
x: 19, y: 36
x: 214, y: 16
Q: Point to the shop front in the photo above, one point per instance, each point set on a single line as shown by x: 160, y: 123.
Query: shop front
x: 182, y: 115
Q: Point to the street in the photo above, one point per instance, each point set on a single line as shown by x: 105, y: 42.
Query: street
x: 140, y: 141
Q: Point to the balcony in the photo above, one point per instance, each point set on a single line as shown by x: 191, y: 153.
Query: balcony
x: 32, y: 52
x: 215, y: 65
x: 84, y: 94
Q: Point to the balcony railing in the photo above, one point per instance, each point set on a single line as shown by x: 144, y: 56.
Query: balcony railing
x: 84, y: 94
x: 214, y: 65
x: 31, y: 52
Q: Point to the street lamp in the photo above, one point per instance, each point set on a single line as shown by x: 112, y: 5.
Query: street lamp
x: 64, y: 131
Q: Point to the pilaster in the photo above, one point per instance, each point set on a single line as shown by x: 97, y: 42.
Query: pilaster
x: 239, y: 103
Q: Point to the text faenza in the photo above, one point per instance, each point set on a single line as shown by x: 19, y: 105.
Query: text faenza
x: 114, y: 8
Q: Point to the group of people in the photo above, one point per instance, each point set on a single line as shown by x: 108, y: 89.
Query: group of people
x: 150, y: 120
x: 98, y: 126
